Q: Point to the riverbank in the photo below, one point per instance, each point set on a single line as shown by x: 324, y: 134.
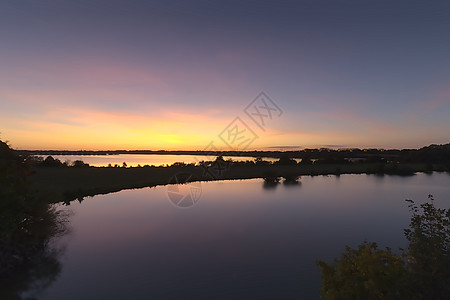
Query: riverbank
x: 66, y: 184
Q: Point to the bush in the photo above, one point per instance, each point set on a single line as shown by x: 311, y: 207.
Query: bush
x: 429, y: 250
x: 364, y: 273
x: 420, y: 272
x: 285, y: 161
x: 28, y: 224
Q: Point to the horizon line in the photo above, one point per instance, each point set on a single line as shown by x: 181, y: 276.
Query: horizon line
x: 266, y: 149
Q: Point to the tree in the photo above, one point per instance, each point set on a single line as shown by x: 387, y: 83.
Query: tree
x: 420, y: 272
x: 51, y: 162
x: 285, y: 160
x: 429, y: 249
x: 80, y: 164
x: 28, y: 224
x: 364, y: 273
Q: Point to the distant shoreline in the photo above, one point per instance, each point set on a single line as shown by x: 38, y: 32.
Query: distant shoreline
x: 64, y: 182
x: 67, y: 184
x: 309, y: 153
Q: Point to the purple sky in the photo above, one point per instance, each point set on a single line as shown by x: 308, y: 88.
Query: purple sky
x: 174, y: 74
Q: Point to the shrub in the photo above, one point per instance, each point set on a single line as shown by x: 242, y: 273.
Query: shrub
x: 420, y: 272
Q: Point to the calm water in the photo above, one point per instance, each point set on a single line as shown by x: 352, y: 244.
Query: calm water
x: 240, y: 241
x: 133, y: 160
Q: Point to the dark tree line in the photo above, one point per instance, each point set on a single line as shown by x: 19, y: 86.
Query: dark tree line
x: 428, y: 154
x: 49, y: 161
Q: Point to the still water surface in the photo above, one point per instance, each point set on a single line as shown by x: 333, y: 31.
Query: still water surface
x: 240, y: 241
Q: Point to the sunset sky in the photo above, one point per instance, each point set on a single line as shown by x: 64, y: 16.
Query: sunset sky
x: 174, y: 74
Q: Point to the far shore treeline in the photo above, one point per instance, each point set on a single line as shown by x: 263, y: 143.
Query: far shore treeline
x: 67, y: 181
x: 429, y: 154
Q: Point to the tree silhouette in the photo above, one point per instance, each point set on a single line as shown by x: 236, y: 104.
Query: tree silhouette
x: 420, y: 272
x: 28, y: 224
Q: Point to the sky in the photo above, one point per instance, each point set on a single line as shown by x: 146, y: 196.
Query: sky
x: 187, y: 75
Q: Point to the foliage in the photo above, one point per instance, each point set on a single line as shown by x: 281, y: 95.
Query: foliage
x: 49, y: 161
x: 285, y: 160
x: 291, y: 179
x: 429, y: 249
x: 27, y: 226
x: 271, y: 180
x: 420, y: 272
x: 260, y: 162
x: 364, y: 273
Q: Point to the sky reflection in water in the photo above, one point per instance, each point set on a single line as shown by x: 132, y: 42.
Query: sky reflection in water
x: 240, y: 241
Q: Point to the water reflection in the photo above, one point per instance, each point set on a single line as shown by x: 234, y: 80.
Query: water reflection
x: 236, y: 243
x: 29, y: 225
x: 271, y: 181
x: 29, y: 254
x: 291, y: 180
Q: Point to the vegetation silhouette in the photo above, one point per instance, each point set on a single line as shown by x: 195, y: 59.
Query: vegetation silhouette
x: 422, y: 271
x: 271, y: 180
x: 29, y: 224
x: 69, y: 181
x: 286, y: 161
x: 28, y: 227
x: 432, y: 154
x: 291, y: 180
x: 49, y: 161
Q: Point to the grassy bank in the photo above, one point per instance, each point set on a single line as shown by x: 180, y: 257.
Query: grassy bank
x: 72, y: 183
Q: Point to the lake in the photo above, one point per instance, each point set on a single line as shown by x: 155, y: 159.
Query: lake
x: 239, y: 241
x: 133, y: 160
